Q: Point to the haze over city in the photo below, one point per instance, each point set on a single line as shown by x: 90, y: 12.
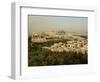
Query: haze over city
x: 55, y: 23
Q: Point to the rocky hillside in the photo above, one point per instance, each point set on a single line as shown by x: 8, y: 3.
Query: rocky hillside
x: 59, y: 41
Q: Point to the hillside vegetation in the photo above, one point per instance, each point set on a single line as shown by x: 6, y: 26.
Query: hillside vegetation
x: 57, y: 48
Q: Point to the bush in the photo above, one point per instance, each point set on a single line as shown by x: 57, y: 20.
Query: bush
x: 44, y: 57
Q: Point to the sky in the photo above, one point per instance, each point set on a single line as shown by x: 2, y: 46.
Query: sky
x: 37, y: 23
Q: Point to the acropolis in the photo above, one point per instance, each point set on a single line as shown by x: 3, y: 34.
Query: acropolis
x: 66, y: 41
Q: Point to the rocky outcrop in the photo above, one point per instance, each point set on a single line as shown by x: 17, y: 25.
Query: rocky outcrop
x: 67, y: 42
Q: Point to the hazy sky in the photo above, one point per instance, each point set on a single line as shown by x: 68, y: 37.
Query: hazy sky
x: 56, y: 23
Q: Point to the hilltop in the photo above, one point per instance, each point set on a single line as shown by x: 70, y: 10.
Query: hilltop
x: 57, y: 47
x: 61, y: 41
